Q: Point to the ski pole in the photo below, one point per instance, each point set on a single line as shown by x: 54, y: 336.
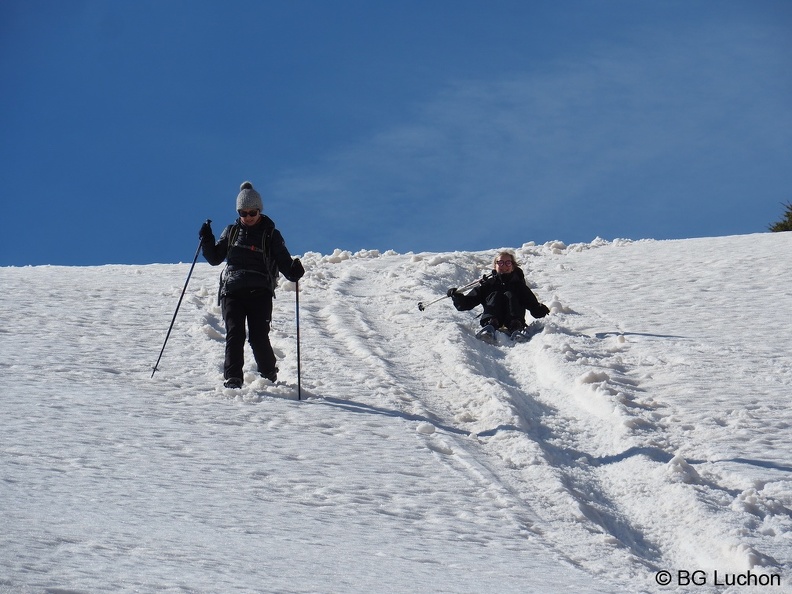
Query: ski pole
x: 297, y: 310
x: 422, y: 306
x: 178, y: 305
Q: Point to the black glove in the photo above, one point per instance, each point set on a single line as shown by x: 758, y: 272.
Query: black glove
x: 206, y: 233
x: 451, y: 291
x: 541, y: 311
x: 456, y: 298
x: 297, y: 271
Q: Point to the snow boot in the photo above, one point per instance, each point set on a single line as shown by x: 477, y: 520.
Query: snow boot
x: 233, y: 382
x: 271, y: 375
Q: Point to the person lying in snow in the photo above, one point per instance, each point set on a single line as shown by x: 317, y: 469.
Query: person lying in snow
x: 505, y: 298
x: 254, y: 251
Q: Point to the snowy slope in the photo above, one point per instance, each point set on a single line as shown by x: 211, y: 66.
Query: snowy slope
x: 647, y: 428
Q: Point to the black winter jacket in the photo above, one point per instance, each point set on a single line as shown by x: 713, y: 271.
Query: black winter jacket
x: 254, y: 255
x: 513, y: 282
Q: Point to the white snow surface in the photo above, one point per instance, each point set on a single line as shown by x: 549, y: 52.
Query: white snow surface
x: 646, y: 428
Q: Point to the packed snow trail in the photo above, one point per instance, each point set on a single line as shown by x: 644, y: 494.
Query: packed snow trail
x: 570, y: 412
x: 646, y: 429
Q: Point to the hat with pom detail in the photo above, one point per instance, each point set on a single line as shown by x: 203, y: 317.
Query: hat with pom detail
x: 248, y: 198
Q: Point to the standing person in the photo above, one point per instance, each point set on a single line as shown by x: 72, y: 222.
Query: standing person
x: 505, y: 298
x: 254, y: 251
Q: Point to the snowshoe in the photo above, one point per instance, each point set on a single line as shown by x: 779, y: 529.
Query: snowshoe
x: 487, y: 334
x: 526, y: 333
x: 520, y: 336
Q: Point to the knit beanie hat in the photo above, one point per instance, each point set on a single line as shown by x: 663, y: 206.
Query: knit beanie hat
x: 248, y: 198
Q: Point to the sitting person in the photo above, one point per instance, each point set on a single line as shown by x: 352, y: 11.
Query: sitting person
x: 505, y: 297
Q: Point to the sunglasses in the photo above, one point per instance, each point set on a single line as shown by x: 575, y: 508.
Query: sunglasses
x: 248, y: 213
x: 504, y: 262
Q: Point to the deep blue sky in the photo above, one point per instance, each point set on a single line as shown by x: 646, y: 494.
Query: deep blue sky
x: 414, y: 125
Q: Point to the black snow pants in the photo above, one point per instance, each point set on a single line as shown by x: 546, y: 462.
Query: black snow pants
x: 503, y: 306
x: 256, y: 309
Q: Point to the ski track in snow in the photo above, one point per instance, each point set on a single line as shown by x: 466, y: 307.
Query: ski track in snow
x: 646, y: 428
